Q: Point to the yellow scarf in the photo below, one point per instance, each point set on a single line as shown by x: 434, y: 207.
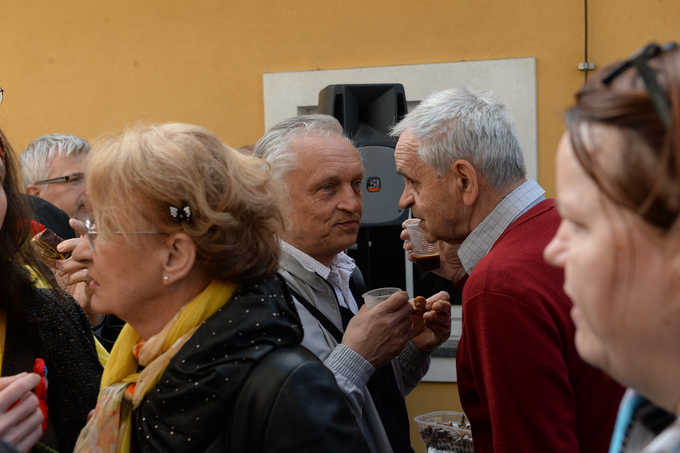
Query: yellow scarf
x: 123, y: 388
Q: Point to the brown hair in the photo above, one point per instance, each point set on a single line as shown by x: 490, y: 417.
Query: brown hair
x: 233, y: 202
x: 16, y: 254
x: 643, y: 173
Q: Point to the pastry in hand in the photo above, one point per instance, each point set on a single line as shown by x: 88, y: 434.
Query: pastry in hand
x: 420, y: 303
x: 46, y: 243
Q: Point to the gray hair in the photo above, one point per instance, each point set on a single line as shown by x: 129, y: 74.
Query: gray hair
x: 274, y: 146
x: 472, y: 125
x: 35, y: 158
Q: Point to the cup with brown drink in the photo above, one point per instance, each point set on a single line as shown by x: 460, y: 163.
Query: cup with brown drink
x: 426, y: 253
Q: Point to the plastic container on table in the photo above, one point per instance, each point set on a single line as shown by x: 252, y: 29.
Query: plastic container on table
x: 445, y: 432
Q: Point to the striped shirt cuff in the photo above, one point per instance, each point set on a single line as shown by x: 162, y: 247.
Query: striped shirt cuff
x: 344, y: 361
x: 412, y: 357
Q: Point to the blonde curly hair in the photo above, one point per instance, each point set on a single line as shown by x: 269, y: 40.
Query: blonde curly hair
x: 233, y: 201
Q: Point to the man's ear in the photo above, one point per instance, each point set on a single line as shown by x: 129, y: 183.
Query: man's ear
x: 179, y: 256
x: 32, y: 189
x: 466, y: 181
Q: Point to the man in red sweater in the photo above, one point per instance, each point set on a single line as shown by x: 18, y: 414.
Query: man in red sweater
x: 521, y: 382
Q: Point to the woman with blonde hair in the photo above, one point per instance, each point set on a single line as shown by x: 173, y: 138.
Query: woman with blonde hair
x: 618, y: 192
x: 183, y: 248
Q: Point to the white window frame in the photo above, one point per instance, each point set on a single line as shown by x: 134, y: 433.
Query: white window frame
x: 288, y: 94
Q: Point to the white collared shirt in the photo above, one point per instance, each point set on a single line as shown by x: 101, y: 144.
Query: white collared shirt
x: 338, y: 275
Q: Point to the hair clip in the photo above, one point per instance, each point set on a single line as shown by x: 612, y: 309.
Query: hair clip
x: 180, y: 215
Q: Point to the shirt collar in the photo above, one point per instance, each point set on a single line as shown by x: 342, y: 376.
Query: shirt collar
x: 482, y: 238
x: 338, y: 274
x: 341, y: 260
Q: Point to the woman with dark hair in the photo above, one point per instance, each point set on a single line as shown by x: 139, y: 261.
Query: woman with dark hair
x: 41, y: 329
x: 618, y: 191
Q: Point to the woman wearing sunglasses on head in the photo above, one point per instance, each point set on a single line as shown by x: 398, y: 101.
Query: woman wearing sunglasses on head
x: 183, y: 249
x: 618, y: 191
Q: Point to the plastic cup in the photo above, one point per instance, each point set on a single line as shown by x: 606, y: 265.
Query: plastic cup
x: 426, y: 253
x: 374, y: 297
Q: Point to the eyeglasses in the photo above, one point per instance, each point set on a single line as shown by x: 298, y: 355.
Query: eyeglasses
x: 75, y: 179
x: 91, y: 232
x: 1, y: 91
x: 639, y: 60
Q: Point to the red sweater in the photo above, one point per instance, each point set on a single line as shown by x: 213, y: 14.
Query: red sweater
x: 521, y: 382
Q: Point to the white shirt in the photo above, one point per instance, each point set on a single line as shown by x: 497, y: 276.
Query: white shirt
x: 338, y: 275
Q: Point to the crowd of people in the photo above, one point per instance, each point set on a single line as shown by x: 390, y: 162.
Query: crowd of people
x: 205, y: 301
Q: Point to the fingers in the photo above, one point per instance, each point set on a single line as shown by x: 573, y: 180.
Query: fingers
x: 17, y: 388
x: 20, y: 422
x: 78, y: 226
x: 33, y: 436
x: 68, y: 245
x: 441, y: 295
x: 398, y: 302
x: 26, y: 432
x: 440, y: 303
x: 7, y: 380
x: 71, y: 271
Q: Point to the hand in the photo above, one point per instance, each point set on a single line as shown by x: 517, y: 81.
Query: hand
x: 21, y: 425
x: 72, y: 275
x: 380, y: 334
x: 451, y: 267
x: 432, y: 328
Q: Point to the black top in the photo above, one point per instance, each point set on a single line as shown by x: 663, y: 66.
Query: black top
x: 61, y: 335
x: 51, y: 216
x: 192, y: 407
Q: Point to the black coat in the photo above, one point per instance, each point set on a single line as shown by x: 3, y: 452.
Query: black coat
x: 192, y: 407
x: 61, y: 335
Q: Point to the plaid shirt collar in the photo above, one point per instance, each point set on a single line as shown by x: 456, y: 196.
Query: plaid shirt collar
x: 482, y: 238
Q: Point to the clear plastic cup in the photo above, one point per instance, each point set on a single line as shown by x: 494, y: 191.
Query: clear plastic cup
x: 426, y: 253
x: 374, y: 297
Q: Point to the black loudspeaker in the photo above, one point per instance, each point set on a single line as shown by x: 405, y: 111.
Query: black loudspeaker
x: 367, y: 112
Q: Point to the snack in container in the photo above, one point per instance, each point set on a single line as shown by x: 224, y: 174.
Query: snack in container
x: 445, y: 431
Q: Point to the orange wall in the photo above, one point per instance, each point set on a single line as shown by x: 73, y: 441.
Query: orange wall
x: 88, y: 67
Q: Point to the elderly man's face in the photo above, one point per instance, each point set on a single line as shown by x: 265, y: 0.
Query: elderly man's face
x: 432, y: 198
x: 324, y: 211
x: 67, y: 196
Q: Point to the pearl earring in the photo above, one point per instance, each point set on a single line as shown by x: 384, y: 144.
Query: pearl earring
x: 166, y: 278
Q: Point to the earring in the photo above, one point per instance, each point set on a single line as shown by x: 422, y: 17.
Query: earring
x: 166, y: 278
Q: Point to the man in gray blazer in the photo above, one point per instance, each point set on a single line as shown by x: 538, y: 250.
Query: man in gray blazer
x: 377, y: 356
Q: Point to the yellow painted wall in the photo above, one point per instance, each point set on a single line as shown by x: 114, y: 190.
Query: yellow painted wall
x: 87, y: 67
x: 430, y: 397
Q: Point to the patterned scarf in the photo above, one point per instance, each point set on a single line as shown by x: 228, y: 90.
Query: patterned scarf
x: 123, y: 387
